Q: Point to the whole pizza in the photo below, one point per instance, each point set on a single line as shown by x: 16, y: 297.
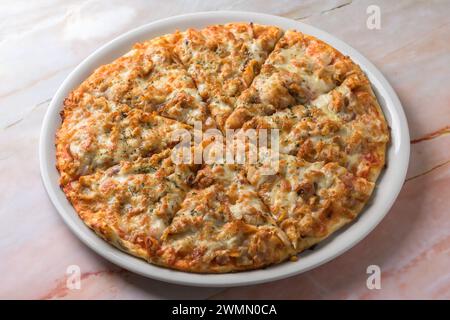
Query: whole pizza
x: 118, y: 147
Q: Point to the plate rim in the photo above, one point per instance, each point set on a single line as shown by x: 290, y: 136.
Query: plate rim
x: 347, y: 238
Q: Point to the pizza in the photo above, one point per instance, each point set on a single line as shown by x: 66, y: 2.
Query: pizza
x: 145, y: 158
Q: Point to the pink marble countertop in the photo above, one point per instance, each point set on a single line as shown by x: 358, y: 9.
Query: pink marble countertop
x: 41, y: 42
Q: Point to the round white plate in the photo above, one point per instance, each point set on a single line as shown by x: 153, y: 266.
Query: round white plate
x: 389, y: 184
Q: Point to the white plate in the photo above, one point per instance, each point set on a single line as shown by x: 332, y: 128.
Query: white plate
x: 389, y: 184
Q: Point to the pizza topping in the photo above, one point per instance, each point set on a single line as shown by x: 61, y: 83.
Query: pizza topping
x: 305, y: 196
x: 299, y: 69
x: 149, y: 78
x: 223, y: 60
x: 135, y: 200
x: 223, y: 223
x: 101, y: 139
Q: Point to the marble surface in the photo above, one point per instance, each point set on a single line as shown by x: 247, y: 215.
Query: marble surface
x: 42, y: 41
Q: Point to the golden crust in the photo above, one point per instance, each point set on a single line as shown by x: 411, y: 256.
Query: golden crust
x: 114, y: 149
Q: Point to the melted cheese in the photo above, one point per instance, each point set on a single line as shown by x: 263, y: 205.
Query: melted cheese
x: 313, y: 192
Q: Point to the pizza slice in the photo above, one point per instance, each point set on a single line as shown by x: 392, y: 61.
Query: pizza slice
x: 223, y: 226
x: 98, y: 134
x: 309, y: 200
x: 345, y: 126
x: 350, y: 128
x: 224, y: 59
x: 149, y: 78
x: 298, y: 70
x: 132, y: 203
